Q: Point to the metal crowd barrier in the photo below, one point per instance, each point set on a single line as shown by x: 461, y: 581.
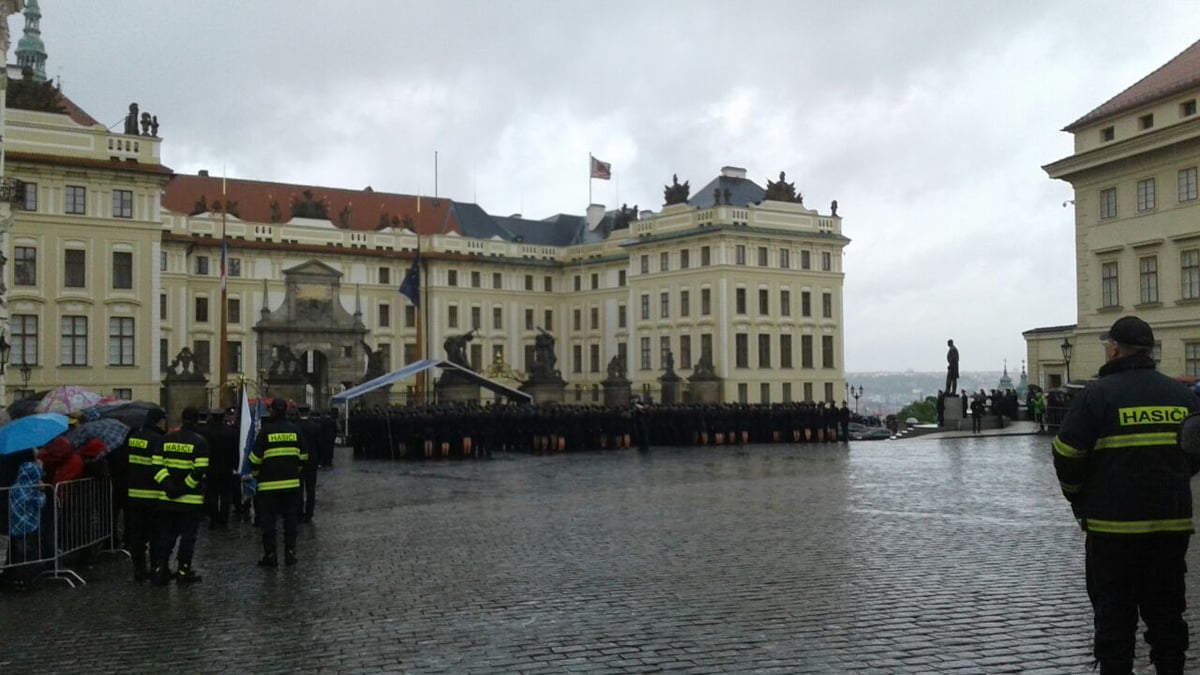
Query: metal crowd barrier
x: 78, y: 519
x: 23, y: 557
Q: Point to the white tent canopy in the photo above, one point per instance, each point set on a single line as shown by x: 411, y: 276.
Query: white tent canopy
x: 419, y: 367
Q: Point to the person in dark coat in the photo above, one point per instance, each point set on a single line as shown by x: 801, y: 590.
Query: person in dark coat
x: 311, y: 430
x: 222, y: 487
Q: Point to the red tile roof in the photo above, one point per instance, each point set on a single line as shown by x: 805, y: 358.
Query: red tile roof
x: 366, y: 208
x: 1175, y: 76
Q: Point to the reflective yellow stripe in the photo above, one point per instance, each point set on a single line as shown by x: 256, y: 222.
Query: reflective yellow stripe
x: 146, y: 494
x: 178, y: 464
x: 255, y: 459
x: 185, y: 499
x: 189, y: 482
x: 1136, y: 440
x: 141, y: 459
x: 161, y: 475
x: 1139, y: 526
x: 201, y: 462
x: 1065, y: 450
x: 282, y: 452
x: 280, y: 485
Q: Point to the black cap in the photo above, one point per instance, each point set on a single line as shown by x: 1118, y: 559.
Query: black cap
x: 278, y: 405
x: 1131, y: 331
x: 154, y: 416
x: 190, y: 414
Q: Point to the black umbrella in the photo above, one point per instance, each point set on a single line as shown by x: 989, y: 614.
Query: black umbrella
x: 132, y: 413
x: 26, y: 406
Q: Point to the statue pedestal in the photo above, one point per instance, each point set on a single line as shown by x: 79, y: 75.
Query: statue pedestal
x: 705, y: 391
x: 671, y: 384
x: 545, y: 392
x: 182, y: 392
x: 457, y: 391
x: 617, y: 394
x: 952, y: 418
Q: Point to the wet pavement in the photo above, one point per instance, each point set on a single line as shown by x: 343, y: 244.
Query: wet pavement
x: 913, y: 556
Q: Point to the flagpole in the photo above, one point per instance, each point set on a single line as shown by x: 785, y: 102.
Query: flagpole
x: 223, y: 368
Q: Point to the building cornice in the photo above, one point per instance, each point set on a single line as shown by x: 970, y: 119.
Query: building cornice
x: 1069, y: 167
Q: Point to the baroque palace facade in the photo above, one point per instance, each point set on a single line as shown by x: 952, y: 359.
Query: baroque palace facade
x: 114, y: 267
x: 1137, y: 225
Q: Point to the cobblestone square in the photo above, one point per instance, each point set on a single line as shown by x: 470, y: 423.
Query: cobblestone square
x: 912, y: 556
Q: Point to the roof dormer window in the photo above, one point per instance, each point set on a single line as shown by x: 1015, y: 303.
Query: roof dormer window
x: 1187, y: 108
x: 1107, y: 134
x: 1146, y: 122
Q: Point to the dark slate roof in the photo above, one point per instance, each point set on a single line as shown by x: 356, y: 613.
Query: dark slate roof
x: 742, y: 192
x: 477, y: 223
x: 1174, y: 77
x: 559, y: 230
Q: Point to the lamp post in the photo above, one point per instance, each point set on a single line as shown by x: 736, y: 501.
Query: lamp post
x: 26, y: 372
x: 857, y: 395
x: 1066, y: 348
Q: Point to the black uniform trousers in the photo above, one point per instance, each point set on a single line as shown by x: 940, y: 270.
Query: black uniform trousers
x: 141, y: 531
x: 1132, y: 575
x: 177, y: 525
x: 308, y: 484
x: 272, y: 504
x: 220, y: 489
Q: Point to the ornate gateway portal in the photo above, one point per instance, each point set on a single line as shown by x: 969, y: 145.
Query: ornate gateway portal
x: 312, y: 346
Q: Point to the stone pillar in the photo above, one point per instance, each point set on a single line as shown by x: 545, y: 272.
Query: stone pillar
x: 952, y: 418
x: 456, y: 391
x: 705, y: 391
x: 671, y: 384
x: 545, y: 392
x: 617, y: 394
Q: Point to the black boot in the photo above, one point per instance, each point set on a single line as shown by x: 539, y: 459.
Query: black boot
x: 140, y: 571
x: 160, y: 574
x: 289, y: 556
x: 1169, y: 666
x: 186, y: 575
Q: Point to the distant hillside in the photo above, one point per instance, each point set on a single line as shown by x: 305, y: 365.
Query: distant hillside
x: 888, y: 392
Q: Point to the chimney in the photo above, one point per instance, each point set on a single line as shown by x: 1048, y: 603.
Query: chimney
x: 595, y: 214
x: 204, y: 173
x: 733, y: 172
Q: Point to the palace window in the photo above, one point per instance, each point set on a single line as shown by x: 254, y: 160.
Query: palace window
x: 805, y: 303
x: 785, y: 351
x: 1187, y: 185
x: 1108, y: 203
x: 806, y: 357
x: 741, y: 342
x: 74, y: 269
x: 1148, y: 280
x: 705, y: 302
x: 827, y: 355
x: 201, y: 310
x: 24, y: 266
x: 74, y: 341
x: 1189, y: 273
x: 785, y: 302
x: 122, y: 203
x: 75, y: 199
x: 122, y: 270
x: 120, y: 341
x: 740, y: 300
x: 764, y: 350
x: 685, y: 305
x: 1110, y: 295
x: 233, y: 310
x: 29, y: 202
x: 1145, y: 194
x: 24, y: 329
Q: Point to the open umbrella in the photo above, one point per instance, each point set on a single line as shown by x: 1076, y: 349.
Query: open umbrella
x: 110, y: 432
x: 131, y: 413
x: 32, y: 431
x: 67, y: 400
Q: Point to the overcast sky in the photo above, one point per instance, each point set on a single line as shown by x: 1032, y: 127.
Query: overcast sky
x: 927, y: 121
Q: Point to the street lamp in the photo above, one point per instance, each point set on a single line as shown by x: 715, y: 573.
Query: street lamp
x: 857, y: 393
x: 26, y: 372
x: 1066, y: 348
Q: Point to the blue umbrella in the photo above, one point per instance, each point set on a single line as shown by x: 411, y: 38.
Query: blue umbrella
x: 31, y: 431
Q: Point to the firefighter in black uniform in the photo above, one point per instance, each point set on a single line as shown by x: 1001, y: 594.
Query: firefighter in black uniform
x: 1121, y: 468
x: 181, y: 460
x: 141, y: 523
x: 278, y: 454
x: 310, y: 430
